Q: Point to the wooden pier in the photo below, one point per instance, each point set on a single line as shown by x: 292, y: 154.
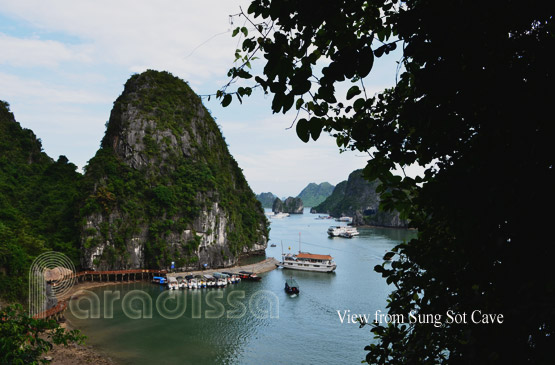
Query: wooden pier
x: 100, y: 276
x: 119, y: 275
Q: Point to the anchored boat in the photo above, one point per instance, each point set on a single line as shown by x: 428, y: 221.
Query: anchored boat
x: 342, y: 231
x: 307, y: 261
x: 172, y: 283
x: 247, y: 275
x: 159, y: 280
x: 279, y: 215
x: 344, y: 219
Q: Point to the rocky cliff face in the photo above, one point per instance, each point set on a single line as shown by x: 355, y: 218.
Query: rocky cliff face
x: 357, y: 198
x: 290, y: 205
x: 163, y: 187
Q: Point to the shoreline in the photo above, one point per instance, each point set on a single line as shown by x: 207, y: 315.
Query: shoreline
x: 86, y: 354
x: 266, y: 265
x: 386, y: 227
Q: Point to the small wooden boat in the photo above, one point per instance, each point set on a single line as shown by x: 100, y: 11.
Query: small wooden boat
x: 234, y: 279
x: 159, y: 280
x: 247, y: 275
x: 291, y: 286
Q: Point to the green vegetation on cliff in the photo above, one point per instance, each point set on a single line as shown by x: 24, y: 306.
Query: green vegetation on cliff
x: 162, y: 168
x: 314, y: 194
x: 37, y: 205
x: 357, y: 198
x: 290, y: 205
x: 266, y: 199
x: 164, y: 165
x: 335, y: 200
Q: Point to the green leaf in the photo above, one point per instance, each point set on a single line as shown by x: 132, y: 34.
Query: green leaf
x: 358, y: 104
x: 365, y: 62
x: 227, y: 100
x: 235, y: 32
x: 288, y: 101
x: 245, y: 31
x: 353, y: 91
x: 303, y: 130
x: 315, y: 125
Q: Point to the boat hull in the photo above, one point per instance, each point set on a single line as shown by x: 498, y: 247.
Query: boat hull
x: 307, y: 268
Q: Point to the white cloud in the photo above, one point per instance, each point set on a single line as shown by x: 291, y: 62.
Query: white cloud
x: 34, y: 52
x: 136, y: 34
x: 35, y: 91
x: 63, y: 64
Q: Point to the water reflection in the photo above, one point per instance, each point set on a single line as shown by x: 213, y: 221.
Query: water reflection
x: 218, y: 325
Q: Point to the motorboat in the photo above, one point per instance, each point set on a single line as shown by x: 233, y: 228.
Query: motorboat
x: 291, y: 286
x: 248, y: 275
x: 234, y: 277
x: 172, y: 283
x: 279, y: 215
x: 344, y: 219
x: 159, y: 280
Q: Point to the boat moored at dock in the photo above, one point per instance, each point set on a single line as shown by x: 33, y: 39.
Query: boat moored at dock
x: 233, y: 277
x: 172, y: 283
x: 306, y: 261
x: 248, y: 275
x: 159, y: 280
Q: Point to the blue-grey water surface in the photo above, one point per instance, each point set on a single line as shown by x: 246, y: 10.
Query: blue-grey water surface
x: 271, y: 327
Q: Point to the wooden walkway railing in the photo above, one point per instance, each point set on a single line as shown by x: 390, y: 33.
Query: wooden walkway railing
x: 54, y: 312
x: 101, y: 276
x: 118, y: 275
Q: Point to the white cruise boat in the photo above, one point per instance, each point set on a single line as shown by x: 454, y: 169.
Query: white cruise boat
x: 307, y: 262
x: 344, y: 219
x: 335, y: 231
x: 279, y: 215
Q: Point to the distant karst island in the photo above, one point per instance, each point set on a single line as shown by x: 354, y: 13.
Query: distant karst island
x: 290, y: 205
x: 311, y: 195
x: 357, y: 198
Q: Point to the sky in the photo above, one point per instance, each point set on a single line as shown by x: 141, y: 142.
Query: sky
x: 63, y: 63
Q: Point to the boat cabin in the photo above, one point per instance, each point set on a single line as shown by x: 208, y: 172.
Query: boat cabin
x: 291, y: 286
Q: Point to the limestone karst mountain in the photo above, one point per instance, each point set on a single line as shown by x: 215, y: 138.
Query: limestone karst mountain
x: 314, y: 194
x: 164, y: 188
x: 356, y: 197
x: 290, y: 205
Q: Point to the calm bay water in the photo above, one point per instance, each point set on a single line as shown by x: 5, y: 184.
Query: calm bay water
x: 252, y: 323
